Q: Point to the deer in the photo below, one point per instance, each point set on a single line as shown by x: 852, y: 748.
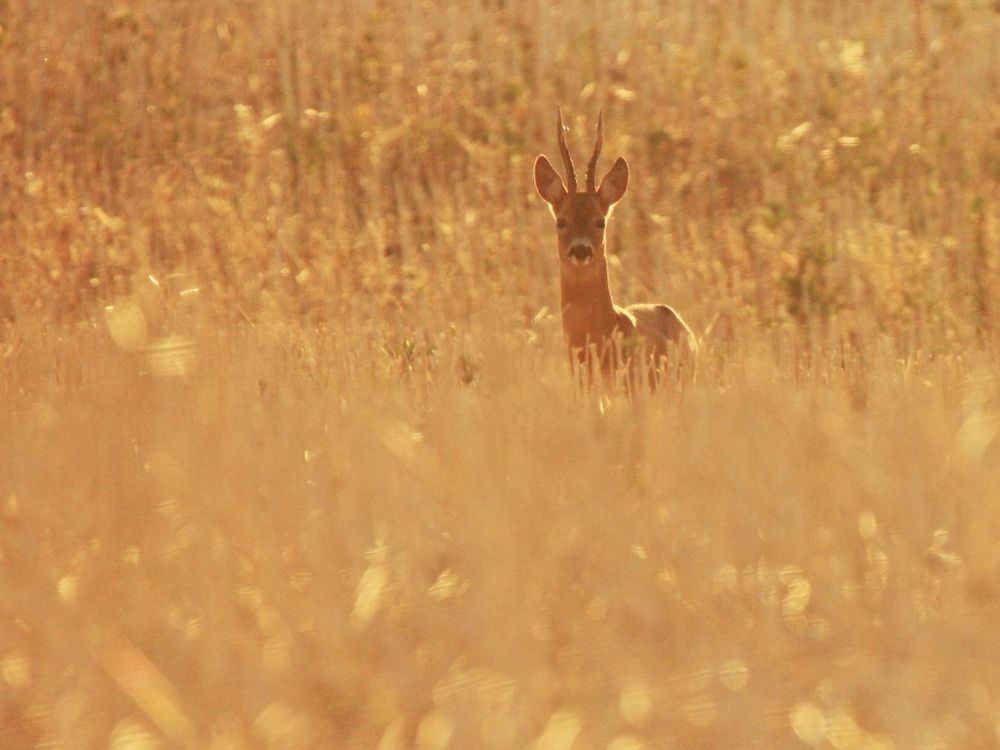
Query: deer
x: 596, y: 330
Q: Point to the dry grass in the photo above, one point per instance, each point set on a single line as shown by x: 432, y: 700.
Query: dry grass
x: 289, y: 456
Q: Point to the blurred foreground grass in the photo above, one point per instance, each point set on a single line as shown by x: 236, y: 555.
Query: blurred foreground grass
x: 298, y: 545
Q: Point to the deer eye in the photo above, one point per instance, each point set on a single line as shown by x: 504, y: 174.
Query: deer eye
x: 560, y: 223
x: 600, y: 223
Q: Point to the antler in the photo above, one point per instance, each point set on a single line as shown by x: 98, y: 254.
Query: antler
x: 564, y: 150
x: 592, y: 165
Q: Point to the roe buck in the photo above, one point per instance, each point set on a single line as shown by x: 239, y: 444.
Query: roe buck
x: 649, y: 335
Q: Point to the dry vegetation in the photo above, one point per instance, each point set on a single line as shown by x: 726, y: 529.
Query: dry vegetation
x: 289, y: 455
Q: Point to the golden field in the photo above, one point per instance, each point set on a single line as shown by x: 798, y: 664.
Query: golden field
x: 290, y: 456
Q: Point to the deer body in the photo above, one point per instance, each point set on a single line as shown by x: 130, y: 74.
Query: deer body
x: 592, y: 323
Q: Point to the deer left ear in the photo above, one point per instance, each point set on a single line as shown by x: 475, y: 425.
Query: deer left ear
x: 548, y: 183
x: 615, y: 183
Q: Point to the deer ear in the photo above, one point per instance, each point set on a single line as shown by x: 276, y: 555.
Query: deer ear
x: 548, y: 183
x: 615, y: 183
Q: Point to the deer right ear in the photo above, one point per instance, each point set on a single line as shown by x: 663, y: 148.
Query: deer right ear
x: 548, y: 183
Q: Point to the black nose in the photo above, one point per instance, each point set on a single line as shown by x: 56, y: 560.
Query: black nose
x: 581, y: 252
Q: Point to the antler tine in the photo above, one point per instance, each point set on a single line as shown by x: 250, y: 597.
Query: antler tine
x: 564, y: 150
x: 592, y: 165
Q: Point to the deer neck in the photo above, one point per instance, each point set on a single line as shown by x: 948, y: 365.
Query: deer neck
x: 588, y: 313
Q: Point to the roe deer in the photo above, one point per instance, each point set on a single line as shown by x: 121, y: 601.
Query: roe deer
x: 649, y: 335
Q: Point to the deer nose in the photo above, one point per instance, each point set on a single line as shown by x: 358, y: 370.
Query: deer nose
x: 580, y: 253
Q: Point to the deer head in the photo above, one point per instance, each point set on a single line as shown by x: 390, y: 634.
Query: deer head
x: 580, y: 216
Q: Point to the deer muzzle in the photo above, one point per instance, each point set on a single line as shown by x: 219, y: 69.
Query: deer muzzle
x: 580, y: 254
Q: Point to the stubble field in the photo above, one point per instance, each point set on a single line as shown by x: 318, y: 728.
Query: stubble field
x: 290, y: 456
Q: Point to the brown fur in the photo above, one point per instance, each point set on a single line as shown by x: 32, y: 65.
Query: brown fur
x: 592, y: 323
